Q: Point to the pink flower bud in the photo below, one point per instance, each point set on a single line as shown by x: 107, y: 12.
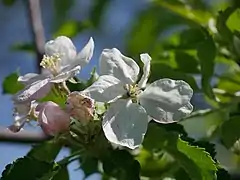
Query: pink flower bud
x: 80, y: 107
x: 52, y: 118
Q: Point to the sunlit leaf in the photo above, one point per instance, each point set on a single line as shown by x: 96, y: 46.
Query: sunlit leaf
x: 72, y: 28
x: 197, y: 16
x: 233, y: 22
x: 194, y: 160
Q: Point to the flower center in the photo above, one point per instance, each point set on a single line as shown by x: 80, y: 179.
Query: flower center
x: 133, y: 91
x: 51, y: 63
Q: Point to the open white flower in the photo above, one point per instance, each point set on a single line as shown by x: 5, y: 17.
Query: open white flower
x: 23, y: 112
x: 125, y: 122
x: 61, y: 62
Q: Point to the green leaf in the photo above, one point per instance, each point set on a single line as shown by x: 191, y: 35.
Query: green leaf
x: 28, y: 168
x: 233, y: 21
x: 155, y: 164
x: 27, y: 47
x: 151, y: 23
x: 62, y: 7
x: 8, y: 2
x: 194, y: 160
x: 207, y: 63
x: 72, y: 28
x: 221, y: 25
x: 46, y: 151
x: 97, y: 10
x: 10, y: 84
x: 62, y: 174
x: 160, y: 70
x: 196, y: 16
x: 89, y: 165
x: 55, y: 96
x: 230, y: 131
x: 121, y: 164
x: 186, y: 63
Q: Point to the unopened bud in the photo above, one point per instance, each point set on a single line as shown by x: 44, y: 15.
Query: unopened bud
x: 80, y: 107
x: 52, y: 118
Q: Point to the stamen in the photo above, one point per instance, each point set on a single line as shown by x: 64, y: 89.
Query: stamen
x: 51, y: 63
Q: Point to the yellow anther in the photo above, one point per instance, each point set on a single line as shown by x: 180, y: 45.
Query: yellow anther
x: 51, y: 63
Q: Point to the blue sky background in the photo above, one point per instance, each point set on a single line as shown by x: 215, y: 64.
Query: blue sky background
x: 14, y: 28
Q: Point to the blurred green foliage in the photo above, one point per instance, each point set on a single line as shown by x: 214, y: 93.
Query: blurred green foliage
x: 187, y: 40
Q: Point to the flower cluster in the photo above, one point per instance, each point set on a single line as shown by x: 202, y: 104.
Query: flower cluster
x: 132, y: 102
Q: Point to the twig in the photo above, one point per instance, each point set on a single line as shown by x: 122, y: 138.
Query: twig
x: 23, y: 136
x: 35, y: 21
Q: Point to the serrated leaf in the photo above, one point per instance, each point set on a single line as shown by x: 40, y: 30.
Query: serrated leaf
x: 194, y: 160
x: 201, y: 158
x: 207, y: 61
x: 46, y: 151
x: 230, y: 131
x: 27, y: 168
x: 10, y: 84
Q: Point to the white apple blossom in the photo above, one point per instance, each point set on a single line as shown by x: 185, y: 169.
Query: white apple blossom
x: 125, y: 122
x: 23, y: 112
x: 61, y: 62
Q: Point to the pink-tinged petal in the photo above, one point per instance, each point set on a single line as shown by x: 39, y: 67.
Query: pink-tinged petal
x: 30, y: 78
x: 53, y: 119
x: 66, y: 74
x: 34, y: 91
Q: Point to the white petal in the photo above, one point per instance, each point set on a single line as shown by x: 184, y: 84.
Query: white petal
x: 65, y: 75
x: 145, y: 58
x: 22, y: 108
x: 167, y: 100
x: 29, y: 78
x: 64, y: 47
x: 85, y: 54
x: 112, y: 62
x: 105, y: 89
x: 125, y: 123
x: 33, y: 91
